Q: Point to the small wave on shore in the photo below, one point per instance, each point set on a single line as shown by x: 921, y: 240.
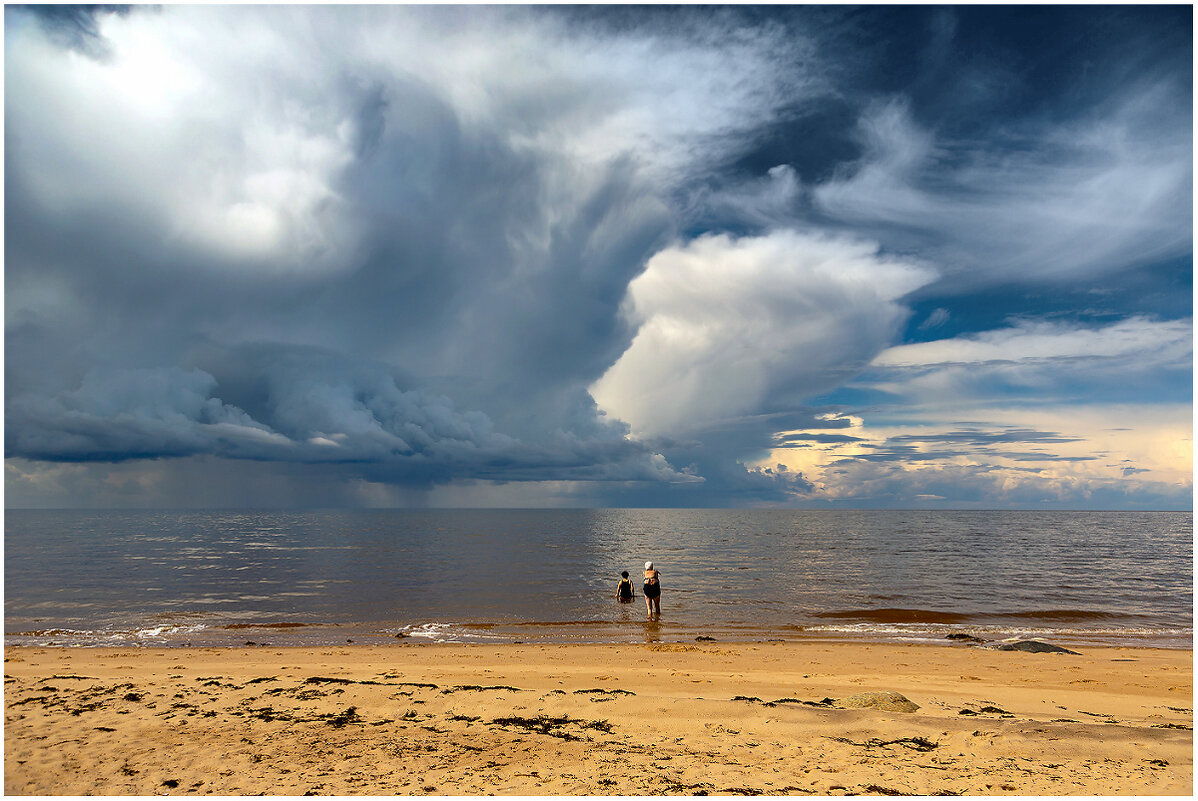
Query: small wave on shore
x: 931, y: 633
x: 452, y: 632
x: 896, y: 615
x: 141, y: 635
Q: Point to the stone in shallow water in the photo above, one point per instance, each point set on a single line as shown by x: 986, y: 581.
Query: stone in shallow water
x: 885, y: 701
x: 1036, y: 647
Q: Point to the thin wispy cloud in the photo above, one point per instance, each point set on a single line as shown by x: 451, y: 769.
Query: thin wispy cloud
x: 1045, y: 202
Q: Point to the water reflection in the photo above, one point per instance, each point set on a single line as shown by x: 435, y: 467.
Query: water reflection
x: 626, y: 611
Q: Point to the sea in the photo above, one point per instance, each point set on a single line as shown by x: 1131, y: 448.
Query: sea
x: 253, y: 578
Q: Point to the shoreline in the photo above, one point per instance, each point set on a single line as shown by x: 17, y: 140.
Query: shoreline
x: 630, y: 632
x: 189, y: 632
x: 621, y: 719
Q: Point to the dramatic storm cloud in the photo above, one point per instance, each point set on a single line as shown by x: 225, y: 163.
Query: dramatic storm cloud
x: 597, y: 256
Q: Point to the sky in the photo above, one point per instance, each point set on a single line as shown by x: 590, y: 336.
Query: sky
x: 798, y: 256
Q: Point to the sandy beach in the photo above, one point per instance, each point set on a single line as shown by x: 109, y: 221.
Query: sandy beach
x: 648, y: 719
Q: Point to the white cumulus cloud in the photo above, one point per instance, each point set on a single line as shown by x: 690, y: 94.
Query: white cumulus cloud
x: 729, y: 327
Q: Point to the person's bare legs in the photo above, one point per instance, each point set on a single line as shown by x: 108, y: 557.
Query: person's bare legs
x: 648, y: 607
x: 657, y: 606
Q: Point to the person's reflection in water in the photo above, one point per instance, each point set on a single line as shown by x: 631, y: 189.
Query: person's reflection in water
x: 652, y: 630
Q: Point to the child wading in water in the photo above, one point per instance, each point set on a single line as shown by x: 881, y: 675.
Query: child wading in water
x: 624, y: 590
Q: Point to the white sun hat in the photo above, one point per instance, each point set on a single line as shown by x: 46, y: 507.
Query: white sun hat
x: 648, y: 565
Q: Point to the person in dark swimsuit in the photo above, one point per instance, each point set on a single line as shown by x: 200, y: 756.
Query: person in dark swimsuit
x: 624, y: 590
x: 652, y: 590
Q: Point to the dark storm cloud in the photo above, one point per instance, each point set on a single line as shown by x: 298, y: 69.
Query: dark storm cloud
x: 410, y: 222
x: 75, y: 26
x: 306, y: 405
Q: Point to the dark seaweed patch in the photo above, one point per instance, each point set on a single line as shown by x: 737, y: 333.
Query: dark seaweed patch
x: 914, y: 743
x: 350, y: 715
x: 553, y: 726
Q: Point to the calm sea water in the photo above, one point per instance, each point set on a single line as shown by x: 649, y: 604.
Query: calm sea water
x: 175, y: 578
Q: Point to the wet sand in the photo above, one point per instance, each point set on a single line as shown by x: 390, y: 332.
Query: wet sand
x: 651, y: 719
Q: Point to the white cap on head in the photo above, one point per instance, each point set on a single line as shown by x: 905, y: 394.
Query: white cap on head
x: 648, y: 565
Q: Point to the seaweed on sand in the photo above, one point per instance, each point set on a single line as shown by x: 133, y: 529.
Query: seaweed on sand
x: 553, y: 726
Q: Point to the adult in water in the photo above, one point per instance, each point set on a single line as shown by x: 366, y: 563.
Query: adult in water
x: 652, y: 590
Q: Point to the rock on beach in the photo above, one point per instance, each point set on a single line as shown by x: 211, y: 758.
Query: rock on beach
x: 885, y: 701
